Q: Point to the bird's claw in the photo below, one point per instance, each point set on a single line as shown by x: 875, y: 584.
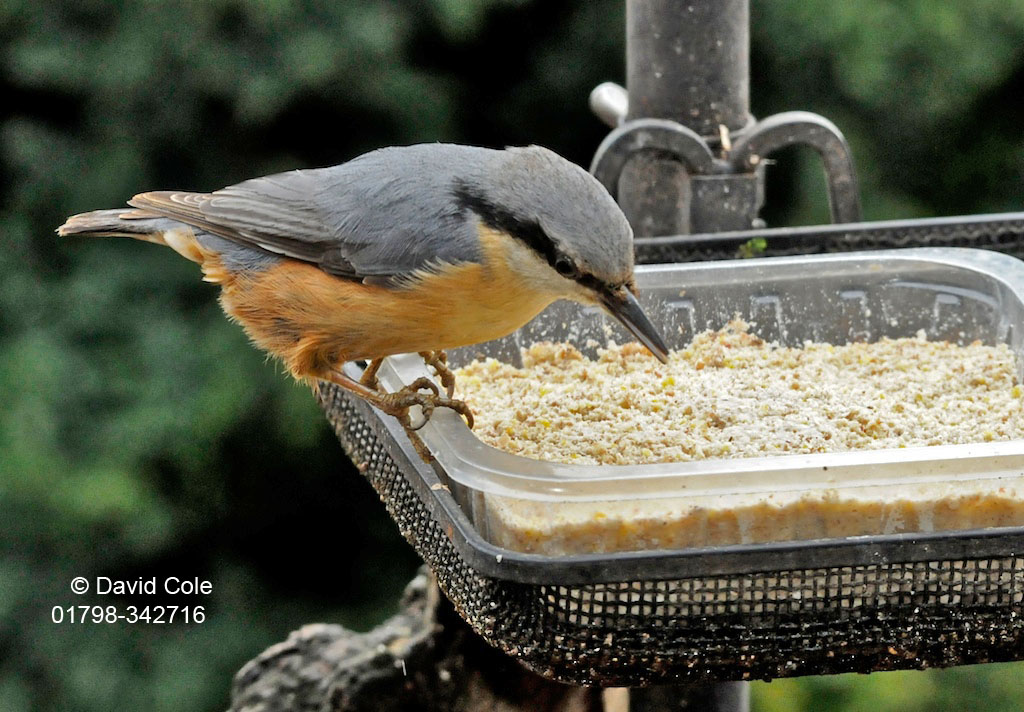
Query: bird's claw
x: 398, y: 403
x: 439, y: 361
x: 417, y: 442
x: 419, y: 384
x: 423, y: 392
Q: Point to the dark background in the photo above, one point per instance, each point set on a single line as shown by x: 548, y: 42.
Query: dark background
x: 141, y: 436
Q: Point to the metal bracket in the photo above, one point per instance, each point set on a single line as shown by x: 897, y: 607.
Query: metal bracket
x: 662, y: 135
x: 792, y: 128
x: 729, y: 189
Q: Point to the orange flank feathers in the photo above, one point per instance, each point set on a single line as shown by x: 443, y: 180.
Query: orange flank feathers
x: 314, y: 322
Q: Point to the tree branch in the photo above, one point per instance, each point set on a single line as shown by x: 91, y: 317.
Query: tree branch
x: 423, y: 659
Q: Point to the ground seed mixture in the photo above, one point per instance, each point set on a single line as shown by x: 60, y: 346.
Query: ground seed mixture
x: 730, y: 395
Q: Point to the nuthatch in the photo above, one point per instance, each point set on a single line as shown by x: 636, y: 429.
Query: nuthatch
x: 407, y: 249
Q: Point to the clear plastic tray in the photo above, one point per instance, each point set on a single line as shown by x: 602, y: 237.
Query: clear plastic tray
x: 549, y: 508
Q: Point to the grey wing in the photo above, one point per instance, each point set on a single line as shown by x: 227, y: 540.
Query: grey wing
x: 380, y: 217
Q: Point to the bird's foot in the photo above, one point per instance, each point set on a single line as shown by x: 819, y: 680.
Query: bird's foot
x: 399, y: 402
x: 422, y: 392
x: 369, y: 377
x: 439, y: 361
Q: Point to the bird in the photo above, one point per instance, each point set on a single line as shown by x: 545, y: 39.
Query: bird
x: 404, y: 249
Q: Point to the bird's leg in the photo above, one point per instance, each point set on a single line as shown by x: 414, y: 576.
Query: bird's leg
x: 439, y: 360
x: 369, y: 377
x: 398, y: 403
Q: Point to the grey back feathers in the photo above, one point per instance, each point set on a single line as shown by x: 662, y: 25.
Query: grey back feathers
x: 394, y: 211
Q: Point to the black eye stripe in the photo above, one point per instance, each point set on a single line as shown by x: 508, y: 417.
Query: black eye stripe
x: 497, y: 218
x: 528, y: 231
x: 591, y: 282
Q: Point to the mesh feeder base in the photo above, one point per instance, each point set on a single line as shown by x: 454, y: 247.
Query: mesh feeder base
x: 807, y: 620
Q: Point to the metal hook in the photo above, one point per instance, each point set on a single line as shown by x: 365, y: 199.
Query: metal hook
x: 792, y: 128
x: 650, y: 134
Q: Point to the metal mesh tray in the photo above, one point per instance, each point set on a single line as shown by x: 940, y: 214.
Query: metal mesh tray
x: 808, y: 608
x: 760, y: 611
x: 1002, y: 232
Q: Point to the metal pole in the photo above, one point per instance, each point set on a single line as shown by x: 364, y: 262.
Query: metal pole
x: 686, y: 60
x: 686, y: 155
x: 689, y: 61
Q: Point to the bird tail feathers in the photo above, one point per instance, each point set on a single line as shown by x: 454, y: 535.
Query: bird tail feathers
x: 137, y: 224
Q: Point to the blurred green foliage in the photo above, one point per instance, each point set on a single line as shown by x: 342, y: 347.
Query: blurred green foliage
x: 140, y: 435
x: 991, y: 688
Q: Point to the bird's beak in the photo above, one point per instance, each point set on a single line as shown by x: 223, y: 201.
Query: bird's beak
x: 622, y: 305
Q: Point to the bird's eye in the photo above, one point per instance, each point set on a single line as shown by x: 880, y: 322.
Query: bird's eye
x: 565, y: 266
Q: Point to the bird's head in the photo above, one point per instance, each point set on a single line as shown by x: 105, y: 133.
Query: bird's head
x: 565, y: 234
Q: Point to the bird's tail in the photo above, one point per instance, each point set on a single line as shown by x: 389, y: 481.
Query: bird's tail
x: 137, y: 224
